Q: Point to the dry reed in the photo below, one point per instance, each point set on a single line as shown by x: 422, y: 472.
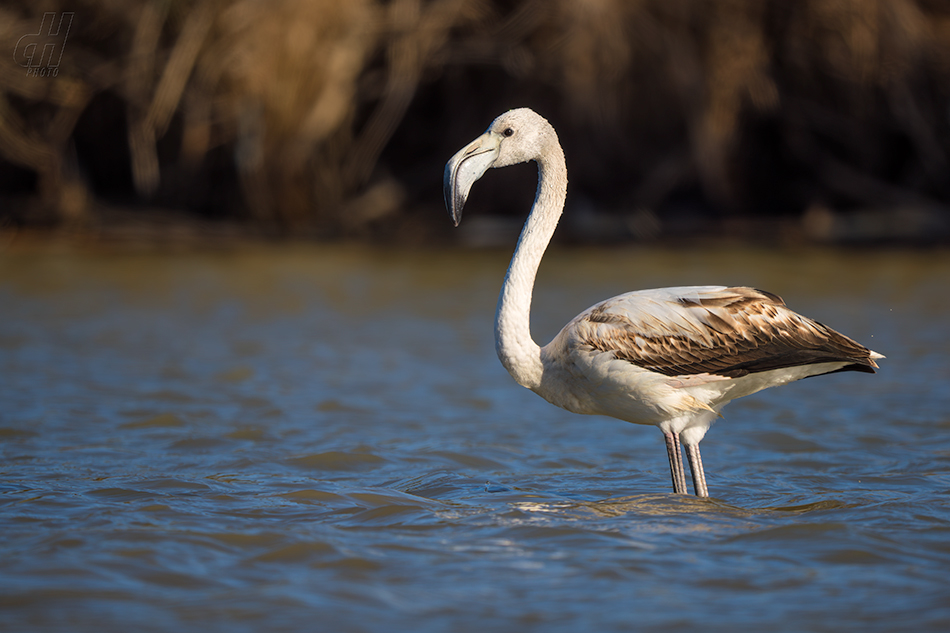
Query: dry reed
x: 306, y: 95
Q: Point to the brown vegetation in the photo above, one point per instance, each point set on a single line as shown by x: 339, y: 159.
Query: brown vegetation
x: 284, y: 113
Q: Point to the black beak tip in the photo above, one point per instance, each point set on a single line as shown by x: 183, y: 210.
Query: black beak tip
x: 454, y: 206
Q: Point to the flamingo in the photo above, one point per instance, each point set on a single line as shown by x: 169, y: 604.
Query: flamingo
x: 670, y: 357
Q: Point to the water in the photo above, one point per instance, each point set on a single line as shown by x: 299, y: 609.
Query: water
x: 307, y: 438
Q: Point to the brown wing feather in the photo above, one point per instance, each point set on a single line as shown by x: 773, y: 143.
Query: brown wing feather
x: 745, y: 331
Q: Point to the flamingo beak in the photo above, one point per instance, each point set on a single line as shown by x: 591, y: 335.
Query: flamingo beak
x: 463, y: 169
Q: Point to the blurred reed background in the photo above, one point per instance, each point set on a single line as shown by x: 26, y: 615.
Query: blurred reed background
x: 814, y: 119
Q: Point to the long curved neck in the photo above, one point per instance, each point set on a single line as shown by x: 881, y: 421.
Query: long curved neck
x: 520, y: 355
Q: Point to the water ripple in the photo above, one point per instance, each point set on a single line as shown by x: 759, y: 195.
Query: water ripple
x: 320, y: 438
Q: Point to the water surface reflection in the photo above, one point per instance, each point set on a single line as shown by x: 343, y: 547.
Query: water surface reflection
x: 275, y: 437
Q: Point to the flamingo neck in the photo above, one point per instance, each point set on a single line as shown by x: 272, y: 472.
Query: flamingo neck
x: 517, y: 351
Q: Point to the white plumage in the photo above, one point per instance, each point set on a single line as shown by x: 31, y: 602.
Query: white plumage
x: 670, y: 357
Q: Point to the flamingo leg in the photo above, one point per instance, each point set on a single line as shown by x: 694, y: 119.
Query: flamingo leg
x: 675, y: 454
x: 696, y: 470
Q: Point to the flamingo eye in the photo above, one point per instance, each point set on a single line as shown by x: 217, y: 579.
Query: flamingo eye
x: 508, y: 131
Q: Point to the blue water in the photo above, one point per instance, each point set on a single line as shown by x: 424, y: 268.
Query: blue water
x: 313, y: 438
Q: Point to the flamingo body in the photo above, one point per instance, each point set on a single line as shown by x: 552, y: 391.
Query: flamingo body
x: 669, y: 357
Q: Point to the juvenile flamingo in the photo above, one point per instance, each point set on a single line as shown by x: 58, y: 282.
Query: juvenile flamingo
x: 671, y: 357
